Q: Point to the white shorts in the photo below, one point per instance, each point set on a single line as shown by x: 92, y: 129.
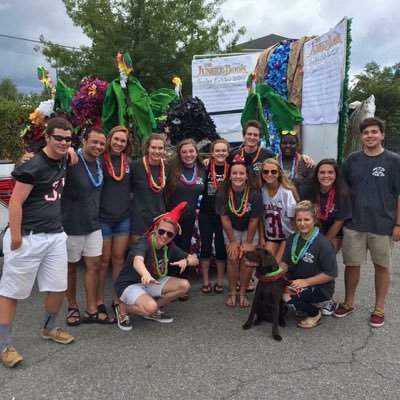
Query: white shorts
x: 132, y: 292
x: 241, y: 237
x: 90, y: 245
x: 42, y: 256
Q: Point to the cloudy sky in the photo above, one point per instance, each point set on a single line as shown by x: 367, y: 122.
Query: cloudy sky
x: 374, y: 30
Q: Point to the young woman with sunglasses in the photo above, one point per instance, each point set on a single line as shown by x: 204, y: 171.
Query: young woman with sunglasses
x: 210, y: 223
x: 239, y: 205
x: 298, y: 168
x: 185, y: 182
x: 114, y: 212
x: 310, y: 263
x: 143, y: 285
x: 148, y: 178
x: 279, y: 200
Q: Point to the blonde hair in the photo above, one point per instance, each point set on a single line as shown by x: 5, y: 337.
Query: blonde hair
x: 282, y: 178
x: 307, y: 206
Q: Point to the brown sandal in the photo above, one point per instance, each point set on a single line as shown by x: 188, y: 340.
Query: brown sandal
x: 218, y: 288
x: 73, y: 316
x: 206, y: 289
x: 231, y: 300
x: 243, y: 301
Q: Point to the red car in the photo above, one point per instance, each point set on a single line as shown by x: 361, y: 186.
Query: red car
x: 6, y: 187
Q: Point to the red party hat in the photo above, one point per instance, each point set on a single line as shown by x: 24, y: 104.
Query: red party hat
x: 173, y: 215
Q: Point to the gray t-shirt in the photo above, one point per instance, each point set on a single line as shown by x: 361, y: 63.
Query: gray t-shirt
x: 320, y: 257
x: 81, y: 201
x: 375, y: 185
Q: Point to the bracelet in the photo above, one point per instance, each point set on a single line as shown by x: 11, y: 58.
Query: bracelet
x: 187, y: 261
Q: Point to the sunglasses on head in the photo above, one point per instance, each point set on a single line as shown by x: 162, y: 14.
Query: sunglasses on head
x: 270, y: 171
x: 293, y: 133
x: 162, y: 232
x: 60, y: 138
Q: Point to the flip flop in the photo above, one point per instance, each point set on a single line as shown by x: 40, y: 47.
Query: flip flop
x: 218, y: 288
x: 243, y: 301
x: 309, y: 323
x: 231, y: 300
x: 206, y: 289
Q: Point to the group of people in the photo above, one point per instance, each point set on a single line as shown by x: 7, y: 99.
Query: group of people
x: 99, y: 201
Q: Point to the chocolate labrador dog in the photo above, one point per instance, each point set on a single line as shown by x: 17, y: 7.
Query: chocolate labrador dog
x: 267, y: 303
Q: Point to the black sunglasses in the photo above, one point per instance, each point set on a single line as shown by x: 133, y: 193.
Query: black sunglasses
x: 60, y: 138
x: 162, y: 232
x: 270, y: 171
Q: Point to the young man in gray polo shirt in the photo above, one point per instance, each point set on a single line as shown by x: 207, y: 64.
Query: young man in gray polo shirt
x: 373, y: 174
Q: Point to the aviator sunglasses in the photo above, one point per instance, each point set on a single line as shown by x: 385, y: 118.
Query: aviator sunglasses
x: 60, y: 138
x: 162, y: 232
x: 270, y: 171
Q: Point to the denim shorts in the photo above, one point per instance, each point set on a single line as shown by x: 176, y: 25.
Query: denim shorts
x: 111, y: 229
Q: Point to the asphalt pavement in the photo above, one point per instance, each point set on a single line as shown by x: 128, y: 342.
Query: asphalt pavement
x: 205, y: 354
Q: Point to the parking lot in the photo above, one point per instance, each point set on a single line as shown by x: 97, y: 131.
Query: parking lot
x: 205, y: 354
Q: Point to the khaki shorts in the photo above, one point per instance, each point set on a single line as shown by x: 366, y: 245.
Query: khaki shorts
x: 355, y: 246
x: 90, y: 245
x: 241, y: 237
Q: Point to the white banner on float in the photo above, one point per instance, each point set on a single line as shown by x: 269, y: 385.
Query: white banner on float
x: 323, y: 76
x: 220, y: 83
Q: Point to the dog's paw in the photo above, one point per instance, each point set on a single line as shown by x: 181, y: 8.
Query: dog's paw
x: 277, y: 337
x: 247, y: 325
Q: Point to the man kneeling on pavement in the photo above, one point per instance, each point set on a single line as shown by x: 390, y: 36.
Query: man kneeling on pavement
x: 144, y: 288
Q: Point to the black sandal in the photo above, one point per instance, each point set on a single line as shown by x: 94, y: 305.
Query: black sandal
x: 73, y: 316
x: 206, y: 289
x: 218, y: 288
x: 89, y: 318
x: 101, y: 309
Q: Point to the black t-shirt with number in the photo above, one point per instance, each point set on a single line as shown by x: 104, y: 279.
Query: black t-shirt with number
x: 115, y: 200
x: 81, y: 201
x: 41, y: 211
x: 207, y: 204
x: 319, y: 258
x: 129, y: 276
x: 254, y: 208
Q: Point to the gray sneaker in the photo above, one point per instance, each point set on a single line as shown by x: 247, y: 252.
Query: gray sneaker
x: 123, y: 320
x: 160, y: 316
x: 329, y: 307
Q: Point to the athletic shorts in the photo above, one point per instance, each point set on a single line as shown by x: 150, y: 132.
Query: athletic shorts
x: 42, y: 256
x: 355, y: 245
x: 132, y: 292
x: 241, y: 237
x: 114, y: 229
x: 90, y: 245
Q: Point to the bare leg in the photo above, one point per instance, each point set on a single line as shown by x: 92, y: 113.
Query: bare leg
x: 144, y: 306
x: 71, y: 289
x: 53, y: 301
x: 382, y: 281
x: 205, y: 267
x: 174, y: 288
x: 91, y: 280
x: 8, y: 307
x: 104, y: 264
x: 244, y: 278
x: 351, y: 279
x: 220, y: 272
x: 233, y: 275
x: 119, y: 246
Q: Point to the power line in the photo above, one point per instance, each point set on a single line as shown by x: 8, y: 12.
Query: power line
x: 34, y: 41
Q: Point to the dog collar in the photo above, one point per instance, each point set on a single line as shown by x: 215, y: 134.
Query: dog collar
x: 270, y: 276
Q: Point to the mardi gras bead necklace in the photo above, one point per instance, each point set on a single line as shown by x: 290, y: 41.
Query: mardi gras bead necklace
x: 295, y: 165
x: 110, y: 167
x: 328, y: 206
x: 160, y: 270
x: 193, y: 179
x: 213, y: 174
x: 242, y: 148
x: 297, y: 257
x: 96, y: 183
x: 243, y: 202
x: 161, y: 175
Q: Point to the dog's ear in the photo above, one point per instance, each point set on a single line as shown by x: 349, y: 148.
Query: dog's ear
x: 268, y: 260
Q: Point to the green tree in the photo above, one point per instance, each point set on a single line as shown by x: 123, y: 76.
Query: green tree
x: 160, y: 35
x: 8, y: 89
x: 384, y: 84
